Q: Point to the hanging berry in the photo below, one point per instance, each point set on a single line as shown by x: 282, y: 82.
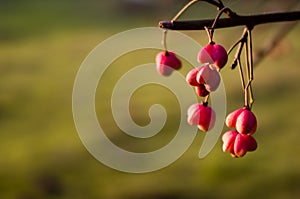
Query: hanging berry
x: 166, y: 63
x: 213, y: 54
x: 240, y: 141
x: 201, y: 115
x: 209, y: 77
x: 238, y: 144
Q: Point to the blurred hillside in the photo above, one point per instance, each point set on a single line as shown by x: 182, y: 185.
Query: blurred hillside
x: 42, y: 45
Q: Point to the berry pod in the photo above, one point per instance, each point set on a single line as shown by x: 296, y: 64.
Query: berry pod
x: 201, y: 90
x: 228, y: 139
x: 244, y: 143
x: 243, y: 120
x: 201, y: 115
x: 209, y: 77
x: 166, y: 62
x: 232, y: 117
x: 246, y: 122
x: 191, y: 76
x: 213, y: 54
x: 238, y: 144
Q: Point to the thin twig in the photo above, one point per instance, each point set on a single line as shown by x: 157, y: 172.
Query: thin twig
x: 184, y: 9
x: 241, y: 73
x: 218, y: 4
x: 218, y: 16
x: 246, y: 89
x: 249, y: 100
x: 206, y: 99
x: 242, y: 39
x: 209, y: 34
x: 251, y: 72
x: 237, y: 55
x: 212, y: 28
x: 164, y: 40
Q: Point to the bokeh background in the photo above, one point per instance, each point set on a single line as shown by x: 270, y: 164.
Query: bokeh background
x: 43, y: 43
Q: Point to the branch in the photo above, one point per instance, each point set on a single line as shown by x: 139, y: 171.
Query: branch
x: 237, y: 20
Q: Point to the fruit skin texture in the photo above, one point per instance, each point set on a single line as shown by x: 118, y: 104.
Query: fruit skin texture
x: 201, y: 115
x: 166, y: 62
x: 243, y: 120
x: 246, y: 122
x: 238, y: 144
x: 209, y: 77
x: 232, y: 117
x: 244, y: 143
x: 228, y: 139
x: 213, y: 54
x: 204, y: 78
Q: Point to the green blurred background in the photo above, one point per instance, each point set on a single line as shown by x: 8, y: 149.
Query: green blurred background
x: 43, y: 43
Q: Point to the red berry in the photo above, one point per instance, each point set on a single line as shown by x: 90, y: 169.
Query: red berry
x: 209, y: 77
x: 243, y: 144
x: 201, y: 90
x: 238, y: 144
x: 213, y: 54
x: 246, y: 122
x: 166, y: 62
x: 228, y: 139
x: 231, y: 118
x: 243, y: 120
x: 191, y: 77
x: 201, y: 115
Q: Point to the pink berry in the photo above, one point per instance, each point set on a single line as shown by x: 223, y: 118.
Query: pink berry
x: 246, y: 122
x: 166, y: 62
x: 201, y: 90
x: 191, y: 77
x: 238, y: 144
x: 213, y: 54
x: 209, y: 77
x: 228, y: 139
x: 252, y: 144
x: 243, y: 120
x: 193, y: 114
x: 201, y: 115
x: 231, y: 118
x: 244, y: 143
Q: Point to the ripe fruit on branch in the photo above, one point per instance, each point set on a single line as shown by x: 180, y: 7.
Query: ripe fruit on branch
x: 238, y: 144
x: 191, y: 76
x: 246, y: 122
x: 232, y: 117
x: 243, y: 120
x: 209, y: 77
x: 166, y: 62
x: 228, y: 139
x: 201, y: 115
x: 191, y: 80
x: 201, y: 90
x: 213, y: 54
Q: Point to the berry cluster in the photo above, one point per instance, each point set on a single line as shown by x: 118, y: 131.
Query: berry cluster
x: 238, y: 142
x: 206, y: 79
